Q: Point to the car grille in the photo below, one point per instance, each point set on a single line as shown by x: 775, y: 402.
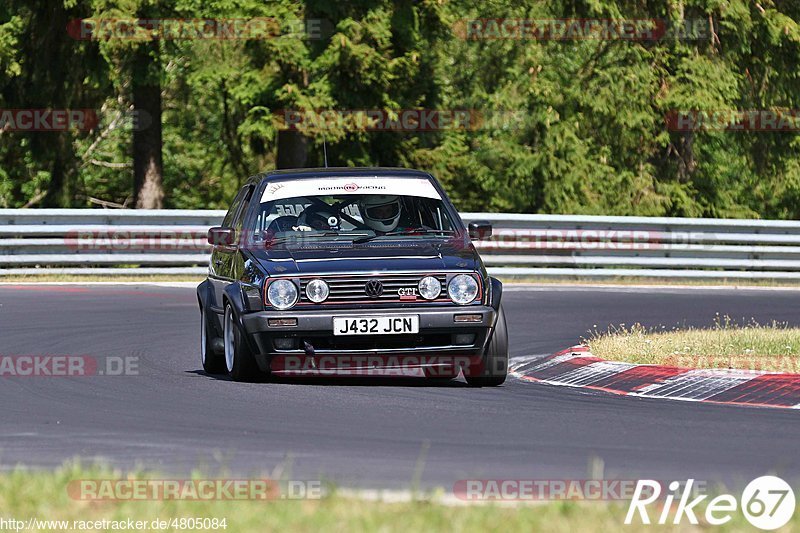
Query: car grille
x: 351, y: 289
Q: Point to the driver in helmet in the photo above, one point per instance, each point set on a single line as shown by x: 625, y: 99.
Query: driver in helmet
x: 380, y: 212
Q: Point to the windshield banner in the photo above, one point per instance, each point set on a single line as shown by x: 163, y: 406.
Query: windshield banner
x: 280, y: 190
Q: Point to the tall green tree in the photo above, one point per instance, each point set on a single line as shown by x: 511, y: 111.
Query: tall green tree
x: 570, y: 126
x: 43, y: 67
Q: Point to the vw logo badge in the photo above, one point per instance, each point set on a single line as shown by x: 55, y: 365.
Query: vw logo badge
x: 373, y: 288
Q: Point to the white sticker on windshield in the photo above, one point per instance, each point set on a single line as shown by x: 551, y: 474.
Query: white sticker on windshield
x: 280, y: 190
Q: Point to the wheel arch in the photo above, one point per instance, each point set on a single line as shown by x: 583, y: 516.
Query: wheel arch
x: 202, y: 293
x: 496, y: 293
x: 233, y: 295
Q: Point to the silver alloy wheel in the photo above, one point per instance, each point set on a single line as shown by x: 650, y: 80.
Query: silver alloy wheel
x: 203, y: 336
x: 228, y: 336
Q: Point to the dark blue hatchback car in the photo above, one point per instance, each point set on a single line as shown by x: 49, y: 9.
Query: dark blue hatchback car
x: 350, y: 271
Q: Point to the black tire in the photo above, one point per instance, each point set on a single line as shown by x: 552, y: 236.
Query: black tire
x: 213, y: 363
x: 239, y: 359
x: 494, y: 368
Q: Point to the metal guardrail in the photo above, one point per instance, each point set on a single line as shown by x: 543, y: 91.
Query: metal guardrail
x: 97, y: 242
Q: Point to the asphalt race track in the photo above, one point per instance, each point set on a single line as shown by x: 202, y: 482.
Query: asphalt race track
x: 373, y: 433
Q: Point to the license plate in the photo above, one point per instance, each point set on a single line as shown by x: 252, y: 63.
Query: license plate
x: 376, y: 325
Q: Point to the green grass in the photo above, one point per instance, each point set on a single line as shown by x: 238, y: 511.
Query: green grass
x: 24, y: 494
x: 43, y: 494
x: 773, y: 347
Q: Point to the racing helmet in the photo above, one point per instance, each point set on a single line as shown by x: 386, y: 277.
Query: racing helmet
x: 380, y: 212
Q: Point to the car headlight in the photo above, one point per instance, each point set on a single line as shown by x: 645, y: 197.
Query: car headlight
x: 429, y: 288
x: 462, y: 289
x: 317, y: 291
x: 282, y: 294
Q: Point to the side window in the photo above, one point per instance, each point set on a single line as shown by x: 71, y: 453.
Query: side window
x: 229, y: 217
x: 431, y: 214
x: 245, y: 202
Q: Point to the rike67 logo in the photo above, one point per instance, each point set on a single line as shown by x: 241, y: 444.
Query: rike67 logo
x: 767, y: 503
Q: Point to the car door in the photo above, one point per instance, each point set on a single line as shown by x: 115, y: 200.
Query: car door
x: 237, y: 258
x: 222, y: 256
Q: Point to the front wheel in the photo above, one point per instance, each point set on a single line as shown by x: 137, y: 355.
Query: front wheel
x: 239, y: 358
x: 494, y: 367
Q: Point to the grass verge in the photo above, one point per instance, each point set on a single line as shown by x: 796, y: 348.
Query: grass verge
x: 773, y: 347
x: 44, y: 495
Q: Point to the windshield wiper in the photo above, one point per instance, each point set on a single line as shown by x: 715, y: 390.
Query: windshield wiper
x: 312, y: 234
x: 408, y: 231
x: 300, y: 236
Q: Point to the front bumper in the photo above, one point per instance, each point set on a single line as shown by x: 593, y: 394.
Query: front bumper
x: 313, y: 334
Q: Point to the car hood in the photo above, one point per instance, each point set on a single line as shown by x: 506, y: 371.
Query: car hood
x: 330, y: 258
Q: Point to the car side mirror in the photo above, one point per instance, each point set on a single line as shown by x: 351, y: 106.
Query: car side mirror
x: 221, y: 236
x: 480, y: 230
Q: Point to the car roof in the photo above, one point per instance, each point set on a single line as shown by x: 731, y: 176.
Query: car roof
x: 303, y: 173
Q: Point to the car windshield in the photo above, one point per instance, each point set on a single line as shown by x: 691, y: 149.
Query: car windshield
x: 353, y: 210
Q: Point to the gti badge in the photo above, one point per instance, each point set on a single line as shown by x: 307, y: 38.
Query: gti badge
x: 407, y: 293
